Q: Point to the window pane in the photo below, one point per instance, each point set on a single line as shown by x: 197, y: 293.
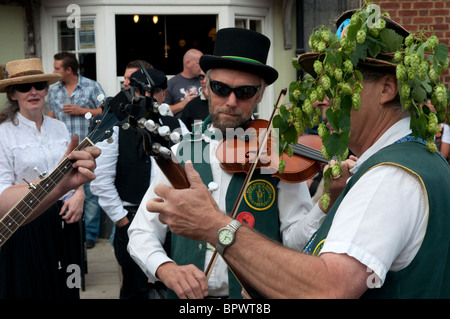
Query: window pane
x: 87, y: 34
x: 66, y: 37
x: 88, y: 66
x: 164, y: 43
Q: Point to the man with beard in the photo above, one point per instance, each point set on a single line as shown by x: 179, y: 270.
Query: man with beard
x: 237, y: 76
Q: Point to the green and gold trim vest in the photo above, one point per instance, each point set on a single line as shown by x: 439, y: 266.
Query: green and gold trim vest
x: 428, y: 275
x: 259, y: 209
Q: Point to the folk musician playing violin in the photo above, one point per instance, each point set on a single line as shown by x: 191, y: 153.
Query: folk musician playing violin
x: 237, y: 77
x: 389, y: 225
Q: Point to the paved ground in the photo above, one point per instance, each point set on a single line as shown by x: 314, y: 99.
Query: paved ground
x: 103, y: 278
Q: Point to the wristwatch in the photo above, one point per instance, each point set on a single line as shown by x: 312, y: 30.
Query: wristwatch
x: 226, y: 236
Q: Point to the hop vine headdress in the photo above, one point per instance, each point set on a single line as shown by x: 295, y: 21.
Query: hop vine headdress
x: 370, y: 39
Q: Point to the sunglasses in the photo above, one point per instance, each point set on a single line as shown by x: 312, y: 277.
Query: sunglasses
x: 24, y: 88
x: 244, y: 92
x: 201, y: 77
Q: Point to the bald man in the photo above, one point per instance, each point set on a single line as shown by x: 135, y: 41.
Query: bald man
x: 185, y: 86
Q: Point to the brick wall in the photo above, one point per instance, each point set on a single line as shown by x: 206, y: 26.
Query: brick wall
x: 415, y: 15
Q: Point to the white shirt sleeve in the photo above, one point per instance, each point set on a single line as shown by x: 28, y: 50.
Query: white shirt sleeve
x: 103, y: 185
x: 381, y: 221
x: 446, y: 134
x: 298, y: 221
x: 147, y: 234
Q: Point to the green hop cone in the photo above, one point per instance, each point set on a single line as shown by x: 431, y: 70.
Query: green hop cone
x: 282, y: 166
x: 409, y: 40
x: 338, y: 74
x: 321, y: 46
x: 433, y: 75
x: 325, y: 36
x: 318, y: 67
x: 336, y: 170
x: 326, y: 82
x: 325, y: 201
x: 432, y: 128
x: 423, y: 71
x: 361, y: 36
x: 324, y: 152
x: 432, y: 118
x: 356, y: 101
x: 308, y: 107
x: 348, y: 65
x: 431, y: 145
x: 433, y: 42
x: 346, y: 89
x: 316, y: 119
x: 415, y: 61
x: 401, y: 72
x: 405, y: 91
x: 313, y: 96
x: 296, y: 94
x: 320, y: 93
x: 322, y: 130
x: 299, y: 126
x: 441, y: 94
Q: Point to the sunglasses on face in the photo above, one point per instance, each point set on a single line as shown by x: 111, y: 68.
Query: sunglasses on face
x: 24, y: 88
x: 244, y: 92
x: 201, y: 77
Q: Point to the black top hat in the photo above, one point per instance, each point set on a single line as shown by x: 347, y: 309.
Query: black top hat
x: 240, y: 49
x: 158, y: 79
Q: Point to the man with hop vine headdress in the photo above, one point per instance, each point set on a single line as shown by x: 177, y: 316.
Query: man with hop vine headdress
x: 391, y: 222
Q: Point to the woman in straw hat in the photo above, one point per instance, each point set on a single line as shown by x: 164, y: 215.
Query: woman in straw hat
x: 33, y: 262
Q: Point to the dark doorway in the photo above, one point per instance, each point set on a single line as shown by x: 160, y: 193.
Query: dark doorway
x: 148, y: 40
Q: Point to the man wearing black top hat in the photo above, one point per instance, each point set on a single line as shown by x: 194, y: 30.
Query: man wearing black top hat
x: 123, y: 175
x: 237, y: 76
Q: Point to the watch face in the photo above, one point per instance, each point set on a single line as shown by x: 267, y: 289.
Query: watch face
x: 226, y: 236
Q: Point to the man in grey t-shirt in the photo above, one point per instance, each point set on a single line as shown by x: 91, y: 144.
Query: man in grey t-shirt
x: 185, y: 86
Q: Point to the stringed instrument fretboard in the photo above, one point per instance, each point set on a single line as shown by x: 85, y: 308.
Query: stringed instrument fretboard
x: 17, y: 215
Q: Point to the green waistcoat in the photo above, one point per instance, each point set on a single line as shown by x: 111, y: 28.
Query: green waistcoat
x: 428, y: 275
x: 259, y: 207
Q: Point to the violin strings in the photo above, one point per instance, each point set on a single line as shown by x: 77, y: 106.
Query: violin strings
x: 309, y: 152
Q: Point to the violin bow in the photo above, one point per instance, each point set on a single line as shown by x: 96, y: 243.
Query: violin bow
x: 233, y: 214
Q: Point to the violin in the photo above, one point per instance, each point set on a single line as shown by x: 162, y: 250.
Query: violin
x: 236, y: 154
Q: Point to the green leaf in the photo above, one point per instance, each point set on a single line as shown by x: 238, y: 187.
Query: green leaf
x: 359, y: 75
x: 291, y: 135
x: 421, y: 124
x: 360, y: 53
x: 418, y: 93
x: 296, y: 65
x: 332, y: 143
x: 392, y: 40
x: 344, y: 139
x: 346, y: 106
x: 441, y: 53
x: 333, y: 118
x: 352, y: 30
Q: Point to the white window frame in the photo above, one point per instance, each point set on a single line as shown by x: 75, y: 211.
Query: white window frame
x: 77, y: 51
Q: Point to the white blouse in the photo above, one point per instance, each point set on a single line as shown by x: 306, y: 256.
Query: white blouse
x: 23, y: 147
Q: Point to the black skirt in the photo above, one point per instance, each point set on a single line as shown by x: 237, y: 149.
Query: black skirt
x: 42, y: 259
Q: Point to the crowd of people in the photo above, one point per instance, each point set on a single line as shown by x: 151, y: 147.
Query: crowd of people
x: 387, y: 221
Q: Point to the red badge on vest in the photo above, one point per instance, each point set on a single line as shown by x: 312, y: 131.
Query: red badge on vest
x: 246, y: 219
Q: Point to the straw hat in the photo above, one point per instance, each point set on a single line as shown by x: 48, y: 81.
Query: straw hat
x: 26, y: 71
